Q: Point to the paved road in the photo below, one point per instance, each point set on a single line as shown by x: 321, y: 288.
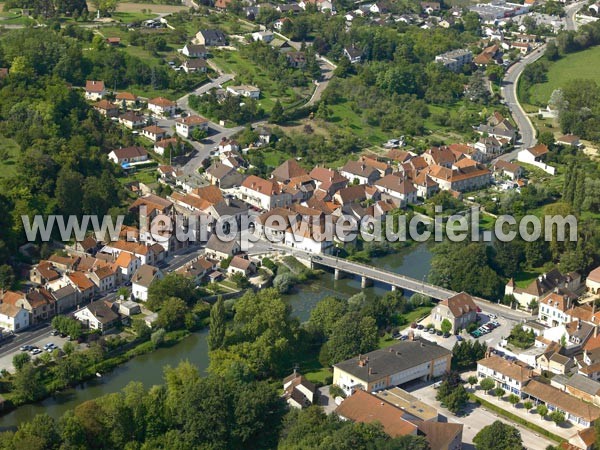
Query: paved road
x: 509, y: 89
x: 326, y: 73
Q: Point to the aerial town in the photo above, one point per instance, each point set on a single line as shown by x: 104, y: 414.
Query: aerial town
x: 176, y: 182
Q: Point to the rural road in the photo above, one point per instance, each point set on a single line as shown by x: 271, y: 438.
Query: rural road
x: 510, y: 83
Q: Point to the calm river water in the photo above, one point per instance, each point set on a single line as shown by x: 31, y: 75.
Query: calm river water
x: 414, y: 262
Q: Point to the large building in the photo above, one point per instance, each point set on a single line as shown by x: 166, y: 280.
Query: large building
x: 460, y: 310
x: 454, y: 60
x: 401, y: 363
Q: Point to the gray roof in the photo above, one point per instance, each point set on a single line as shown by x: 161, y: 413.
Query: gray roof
x: 213, y: 35
x: 217, y: 245
x: 394, y: 359
x: 583, y: 383
x: 230, y: 207
x: 64, y: 292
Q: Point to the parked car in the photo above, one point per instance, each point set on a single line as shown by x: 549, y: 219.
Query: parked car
x: 492, y: 316
x: 446, y: 335
x: 25, y: 348
x: 36, y: 351
x: 439, y: 332
x: 420, y: 327
x: 459, y: 338
x: 432, y: 331
x: 54, y: 333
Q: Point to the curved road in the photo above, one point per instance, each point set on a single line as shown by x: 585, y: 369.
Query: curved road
x: 509, y: 88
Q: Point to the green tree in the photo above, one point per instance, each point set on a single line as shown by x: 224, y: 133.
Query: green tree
x: 499, y: 392
x: 28, y: 385
x: 276, y: 115
x: 158, y: 337
x: 487, y: 384
x: 514, y: 399
x: 325, y: 315
x: 20, y: 360
x: 142, y: 331
x: 171, y: 315
x: 498, y: 436
x: 472, y: 380
x: 172, y: 285
x: 446, y: 326
x: 542, y: 410
x: 528, y: 405
x: 557, y: 417
x: 351, y: 335
x: 218, y: 326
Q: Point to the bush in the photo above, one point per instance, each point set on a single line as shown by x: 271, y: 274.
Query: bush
x: 336, y: 391
x: 269, y: 264
x: 158, y: 337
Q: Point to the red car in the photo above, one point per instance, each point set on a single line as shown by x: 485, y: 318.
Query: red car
x: 478, y: 309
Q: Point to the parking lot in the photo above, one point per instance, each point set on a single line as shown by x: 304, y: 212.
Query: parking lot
x: 6, y: 360
x: 490, y: 339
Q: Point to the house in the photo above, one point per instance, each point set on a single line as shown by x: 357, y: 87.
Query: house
x: 65, y: 297
x: 245, y: 90
x: 353, y: 53
x: 13, y: 318
x: 263, y: 36
x: 355, y: 194
x: 162, y: 106
x: 569, y: 140
x: 94, y: 90
x: 460, y: 310
x: 414, y: 409
x: 264, y: 194
x: 328, y: 180
x: 228, y: 145
x: 297, y: 60
x: 162, y: 146
x: 430, y: 7
x: 542, y: 285
x: 241, y: 265
x: 489, y: 146
x: 507, y: 169
x: 126, y: 308
x: 126, y: 99
x: 104, y: 277
x: 197, y: 269
x: 575, y: 410
x: 535, y: 156
x: 554, y: 362
x: 142, y: 279
x: 43, y: 273
x: 592, y: 282
x: 425, y: 185
x: 399, y: 188
x: 128, y: 155
x: 97, y: 316
x: 465, y: 175
x: 299, y: 392
x: 220, y: 249
x: 278, y: 24
x: 288, y: 170
x: 442, y: 435
x: 398, y: 364
x: 154, y: 133
x: 194, y: 65
x: 579, y: 386
x: 508, y: 375
x: 365, y: 407
x: 357, y: 172
x: 582, y: 440
x: 127, y: 264
x: 211, y: 38
x: 292, y: 8
x: 454, y: 60
x: 184, y: 126
x: 106, y: 108
x: 222, y: 4
x: 497, y: 126
x: 381, y: 166
x: 441, y: 156
x: 132, y: 120
x: 86, y: 289
x: 222, y: 175
x: 553, y: 308
x: 194, y: 51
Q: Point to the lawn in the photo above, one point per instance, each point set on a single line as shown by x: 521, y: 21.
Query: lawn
x: 583, y: 64
x: 147, y: 176
x: 347, y: 119
x: 8, y: 160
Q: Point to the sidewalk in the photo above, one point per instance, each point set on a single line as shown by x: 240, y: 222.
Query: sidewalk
x: 565, y: 430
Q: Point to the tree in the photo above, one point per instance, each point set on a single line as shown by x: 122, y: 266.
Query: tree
x: 142, y: 331
x: 472, y: 380
x: 276, y: 113
x: 557, y: 417
x: 499, y: 392
x: 20, y: 359
x: 528, y: 405
x: 68, y: 348
x: 498, y: 436
x: 158, y: 337
x: 446, y: 326
x: 325, y: 315
x: 172, y: 285
x: 28, y: 385
x: 172, y: 314
x: 514, y: 399
x: 351, y: 335
x: 7, y: 277
x: 542, y: 410
x: 487, y: 384
x: 218, y: 326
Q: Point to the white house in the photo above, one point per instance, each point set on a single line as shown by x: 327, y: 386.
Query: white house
x: 399, y: 188
x: 245, y: 90
x: 127, y: 264
x: 162, y: 106
x: 263, y: 36
x: 264, y: 194
x: 142, y: 279
x: 154, y: 133
x: 94, y: 90
x: 97, y: 316
x: 194, y: 51
x: 510, y: 376
x: 185, y: 125
x: 13, y: 318
x: 128, y: 155
x: 535, y: 156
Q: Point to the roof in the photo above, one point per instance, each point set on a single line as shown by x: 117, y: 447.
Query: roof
x: 161, y: 101
x: 568, y: 139
x: 192, y: 120
x: 213, y: 35
x: 127, y: 96
x: 105, y: 104
x: 441, y: 155
x: 46, y: 270
x: 394, y: 359
x: 506, y: 166
x: 323, y: 174
x: 460, y: 304
x: 514, y: 370
x: 562, y: 400
x: 588, y: 436
x: 102, y: 312
x: 131, y: 116
x: 193, y: 48
x: 217, y: 245
x: 9, y: 310
x: 257, y: 184
x: 557, y: 301
x: 130, y: 152
x: 398, y: 155
x: 367, y: 408
x: 538, y: 150
x: 240, y: 263
x: 440, y: 435
x: 408, y: 403
x: 154, y: 129
x: 594, y: 275
x: 152, y: 202
x: 396, y: 183
x: 145, y: 275
x: 219, y: 170
x: 288, y: 170
x: 82, y: 282
x: 584, y: 384
x: 94, y: 86
x: 64, y: 291
x: 359, y: 168
x: 352, y: 194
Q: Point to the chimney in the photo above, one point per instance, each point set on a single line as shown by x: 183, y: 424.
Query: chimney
x: 370, y: 371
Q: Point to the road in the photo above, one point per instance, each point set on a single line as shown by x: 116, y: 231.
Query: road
x: 510, y: 83
x: 326, y: 73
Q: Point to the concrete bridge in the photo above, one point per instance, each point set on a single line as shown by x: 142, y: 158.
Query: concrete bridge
x: 368, y: 274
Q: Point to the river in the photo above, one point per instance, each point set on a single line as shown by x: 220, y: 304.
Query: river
x: 413, y: 261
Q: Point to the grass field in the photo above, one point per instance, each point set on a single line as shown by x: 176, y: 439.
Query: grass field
x: 8, y: 162
x: 135, y: 8
x: 583, y: 64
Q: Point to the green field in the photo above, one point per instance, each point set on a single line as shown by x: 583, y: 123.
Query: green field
x: 583, y: 64
x: 8, y: 152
